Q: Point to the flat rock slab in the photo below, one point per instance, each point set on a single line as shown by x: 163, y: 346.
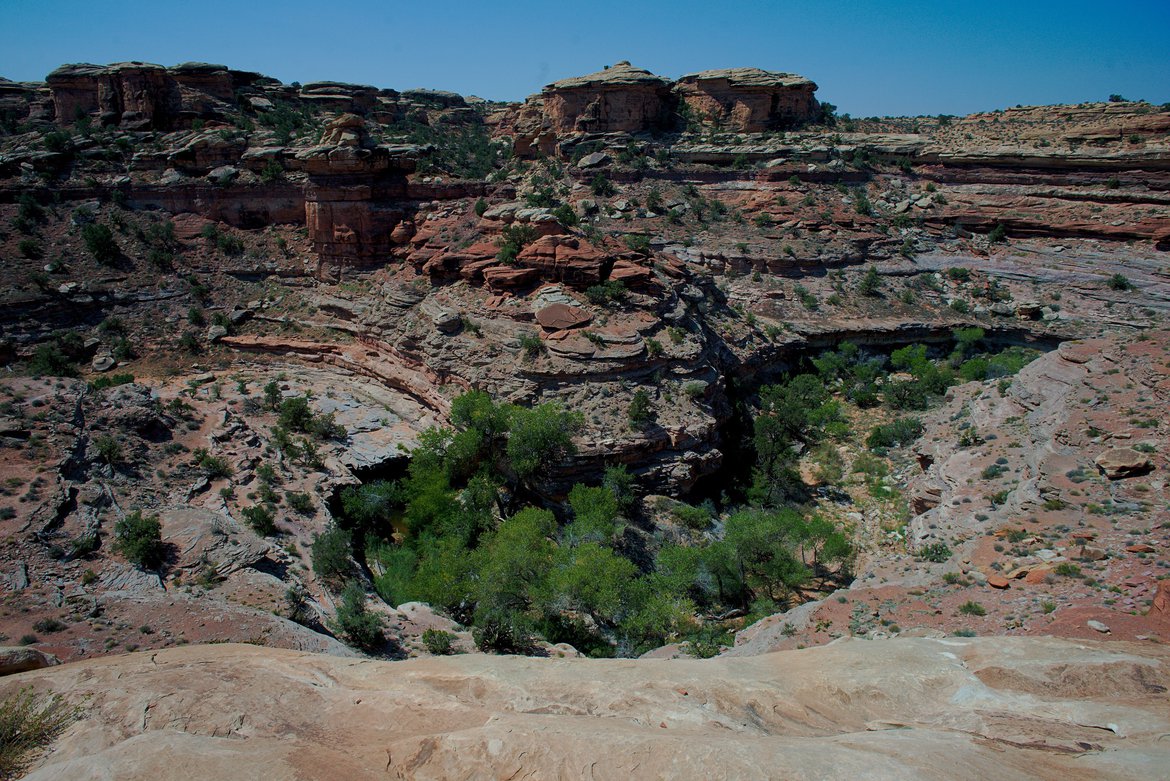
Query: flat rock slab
x: 557, y: 317
x: 854, y: 709
x: 1122, y: 462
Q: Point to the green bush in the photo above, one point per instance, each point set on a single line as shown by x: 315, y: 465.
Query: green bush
x: 602, y: 186
x: 139, y: 539
x: 438, y: 642
x: 641, y: 411
x: 1119, y: 282
x: 514, y: 238
x: 31, y: 249
x: 936, y: 552
x: 261, y: 518
x: 871, y: 283
x: 99, y: 241
x: 299, y: 502
x: 604, y: 293
x: 897, y: 433
x: 970, y: 608
x: 109, y: 449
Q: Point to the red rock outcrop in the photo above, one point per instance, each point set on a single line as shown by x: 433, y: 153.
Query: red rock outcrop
x: 352, y: 199
x: 620, y: 98
x: 748, y: 100
x: 564, y: 259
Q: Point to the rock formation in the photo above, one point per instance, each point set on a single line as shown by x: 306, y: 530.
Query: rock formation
x: 140, y: 96
x: 748, y: 100
x: 620, y: 98
x: 352, y: 199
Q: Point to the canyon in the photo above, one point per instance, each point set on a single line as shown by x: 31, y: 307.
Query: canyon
x: 190, y: 248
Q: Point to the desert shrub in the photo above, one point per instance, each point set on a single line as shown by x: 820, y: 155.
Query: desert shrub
x: 99, y: 241
x: 871, y: 283
x: 214, y: 467
x: 897, y: 433
x: 604, y: 293
x: 502, y: 631
x: 971, y: 608
x: 1119, y: 282
x: 261, y: 518
x: 109, y: 449
x: 31, y: 249
x: 139, y: 539
x: 531, y: 344
x: 514, y: 238
x: 641, y: 411
x: 51, y: 360
x: 638, y: 242
x: 438, y: 642
x: 602, y: 186
x: 481, y: 206
x: 299, y: 502
x: 29, y: 722
x: 936, y: 552
x: 697, y: 518
x: 565, y: 215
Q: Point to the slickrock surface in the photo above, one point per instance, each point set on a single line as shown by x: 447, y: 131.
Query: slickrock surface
x: 895, y: 709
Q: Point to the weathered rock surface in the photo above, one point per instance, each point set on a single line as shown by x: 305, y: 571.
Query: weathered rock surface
x: 748, y: 100
x: 621, y: 98
x: 895, y: 709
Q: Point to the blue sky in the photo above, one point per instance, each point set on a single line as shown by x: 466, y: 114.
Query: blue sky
x: 907, y: 57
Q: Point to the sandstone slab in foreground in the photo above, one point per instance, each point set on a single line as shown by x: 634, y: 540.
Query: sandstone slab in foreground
x: 908, y: 708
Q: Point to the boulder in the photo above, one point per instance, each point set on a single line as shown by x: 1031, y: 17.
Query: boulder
x: 593, y: 160
x: 1122, y: 462
x: 15, y: 659
x: 557, y: 317
x: 103, y: 362
x: 447, y: 321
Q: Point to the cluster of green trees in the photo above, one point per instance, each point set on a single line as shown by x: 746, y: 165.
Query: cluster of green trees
x: 514, y: 570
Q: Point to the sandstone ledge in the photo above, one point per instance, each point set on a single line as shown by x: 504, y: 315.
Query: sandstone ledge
x: 950, y: 708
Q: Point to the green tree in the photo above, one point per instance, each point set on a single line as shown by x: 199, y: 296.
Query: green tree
x: 360, y: 628
x: 541, y: 437
x: 331, y: 555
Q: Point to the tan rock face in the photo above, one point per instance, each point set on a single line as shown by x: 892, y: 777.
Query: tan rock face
x: 892, y: 709
x: 138, y: 95
x: 621, y: 98
x: 748, y: 100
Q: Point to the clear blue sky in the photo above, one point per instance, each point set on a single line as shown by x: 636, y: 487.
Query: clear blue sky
x: 904, y: 57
